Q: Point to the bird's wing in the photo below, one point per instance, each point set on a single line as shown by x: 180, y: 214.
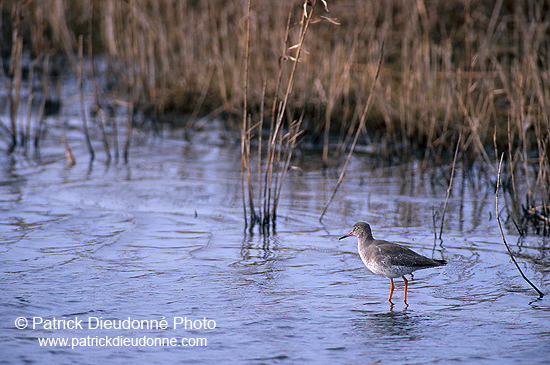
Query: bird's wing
x: 403, y: 256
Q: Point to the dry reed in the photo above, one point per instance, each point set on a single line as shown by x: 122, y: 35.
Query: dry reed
x: 499, y: 179
x: 81, y: 94
x: 273, y: 159
x: 470, y: 68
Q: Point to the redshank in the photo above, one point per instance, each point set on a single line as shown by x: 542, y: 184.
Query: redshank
x: 388, y: 259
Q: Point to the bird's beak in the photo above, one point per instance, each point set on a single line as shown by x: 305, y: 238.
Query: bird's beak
x: 346, y: 235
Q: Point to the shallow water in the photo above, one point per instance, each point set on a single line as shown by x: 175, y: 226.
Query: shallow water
x: 163, y: 238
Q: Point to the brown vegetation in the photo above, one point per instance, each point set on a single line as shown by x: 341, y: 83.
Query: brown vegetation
x: 461, y: 67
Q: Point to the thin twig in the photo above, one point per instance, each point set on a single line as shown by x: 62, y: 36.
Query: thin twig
x: 541, y: 294
x: 450, y: 188
x: 15, y: 73
x: 45, y: 92
x: 357, y: 132
x: 276, y: 139
x: 133, y: 83
x: 81, y: 93
x: 26, y: 135
x: 101, y: 114
x: 434, y: 212
x: 245, y: 140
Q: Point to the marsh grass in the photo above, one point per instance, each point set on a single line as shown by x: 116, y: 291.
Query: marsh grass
x: 475, y: 69
x: 273, y: 160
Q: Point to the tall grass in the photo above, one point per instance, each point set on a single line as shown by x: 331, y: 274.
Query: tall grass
x: 272, y: 161
x: 470, y: 68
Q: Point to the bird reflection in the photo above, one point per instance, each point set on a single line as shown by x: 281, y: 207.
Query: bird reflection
x: 399, y: 324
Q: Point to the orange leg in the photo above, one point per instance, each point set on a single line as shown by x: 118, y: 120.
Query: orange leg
x: 406, y: 286
x: 392, y: 286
